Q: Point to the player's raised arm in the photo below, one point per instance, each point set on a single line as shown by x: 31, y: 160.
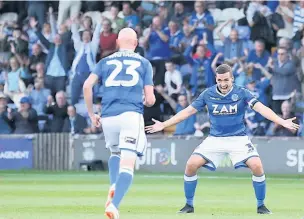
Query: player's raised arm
x: 272, y: 116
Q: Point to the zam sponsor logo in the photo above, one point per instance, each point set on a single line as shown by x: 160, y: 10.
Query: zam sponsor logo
x: 224, y: 109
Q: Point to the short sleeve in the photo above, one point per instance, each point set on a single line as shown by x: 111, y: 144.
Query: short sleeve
x: 249, y: 98
x: 148, y: 75
x: 200, y: 102
x: 98, y: 70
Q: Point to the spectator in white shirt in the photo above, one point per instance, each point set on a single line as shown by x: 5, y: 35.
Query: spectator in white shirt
x: 173, y: 80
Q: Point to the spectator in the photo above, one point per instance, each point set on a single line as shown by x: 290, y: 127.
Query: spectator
x: 39, y: 71
x: 14, y: 87
x: 284, y: 79
x: 155, y: 110
x: 107, y: 41
x: 285, y: 9
x: 234, y: 49
x: 202, y: 75
x: 300, y: 55
x: 256, y: 123
x: 37, y: 9
x: 276, y: 129
x: 68, y: 7
x: 74, y: 123
x: 147, y: 10
x: 5, y: 123
x: 39, y: 96
x: 131, y: 19
x: 26, y: 119
x: 258, y: 55
x: 298, y: 21
x: 85, y: 59
x: 257, y: 16
x: 202, y: 125
x: 20, y: 64
x: 179, y: 14
x: 185, y: 127
x: 164, y: 12
x: 175, y: 37
x: 202, y: 21
x: 255, y: 7
x: 20, y: 44
x: 187, y: 38
x: 287, y: 44
x: 36, y: 57
x: 58, y: 111
x: 158, y: 41
x: 173, y: 80
x: 117, y: 22
x: 87, y: 24
x: 57, y: 64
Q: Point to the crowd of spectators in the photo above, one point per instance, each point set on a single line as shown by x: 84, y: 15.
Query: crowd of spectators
x: 48, y: 49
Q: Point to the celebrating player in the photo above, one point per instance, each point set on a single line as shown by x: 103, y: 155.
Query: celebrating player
x: 226, y: 104
x: 125, y: 75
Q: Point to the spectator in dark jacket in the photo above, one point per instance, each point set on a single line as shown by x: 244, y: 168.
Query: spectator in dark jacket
x: 58, y: 111
x: 75, y: 123
x: 57, y: 64
x: 278, y: 130
x: 36, y: 57
x: 284, y: 79
x: 5, y: 123
x: 26, y: 119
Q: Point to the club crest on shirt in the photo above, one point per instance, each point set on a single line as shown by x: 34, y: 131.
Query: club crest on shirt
x: 235, y: 97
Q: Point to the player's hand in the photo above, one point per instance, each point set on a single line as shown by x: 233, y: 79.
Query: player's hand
x: 96, y: 120
x: 157, y: 127
x: 289, y: 124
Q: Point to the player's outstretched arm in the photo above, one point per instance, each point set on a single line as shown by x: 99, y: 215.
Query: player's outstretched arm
x: 269, y: 114
x: 88, y: 98
x: 180, y: 116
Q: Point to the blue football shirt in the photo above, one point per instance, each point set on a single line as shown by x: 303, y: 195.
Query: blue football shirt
x: 226, y: 112
x: 123, y: 76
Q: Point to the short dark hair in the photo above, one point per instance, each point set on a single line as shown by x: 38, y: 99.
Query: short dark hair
x: 222, y: 69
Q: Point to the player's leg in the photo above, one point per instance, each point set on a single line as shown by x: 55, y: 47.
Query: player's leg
x: 123, y: 183
x: 258, y: 182
x: 244, y: 154
x: 111, y: 133
x: 132, y: 141
x: 190, y: 181
x: 205, y: 155
x: 125, y: 177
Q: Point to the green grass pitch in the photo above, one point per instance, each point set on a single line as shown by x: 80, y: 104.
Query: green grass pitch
x: 37, y: 195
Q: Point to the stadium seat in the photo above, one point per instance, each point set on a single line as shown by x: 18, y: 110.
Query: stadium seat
x: 231, y: 13
x: 216, y: 13
x: 9, y: 17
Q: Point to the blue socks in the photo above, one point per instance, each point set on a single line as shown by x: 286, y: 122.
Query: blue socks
x: 259, y: 185
x: 113, y: 164
x: 190, y: 183
x: 123, y: 183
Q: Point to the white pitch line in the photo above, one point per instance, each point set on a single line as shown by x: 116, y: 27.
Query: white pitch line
x: 64, y: 177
